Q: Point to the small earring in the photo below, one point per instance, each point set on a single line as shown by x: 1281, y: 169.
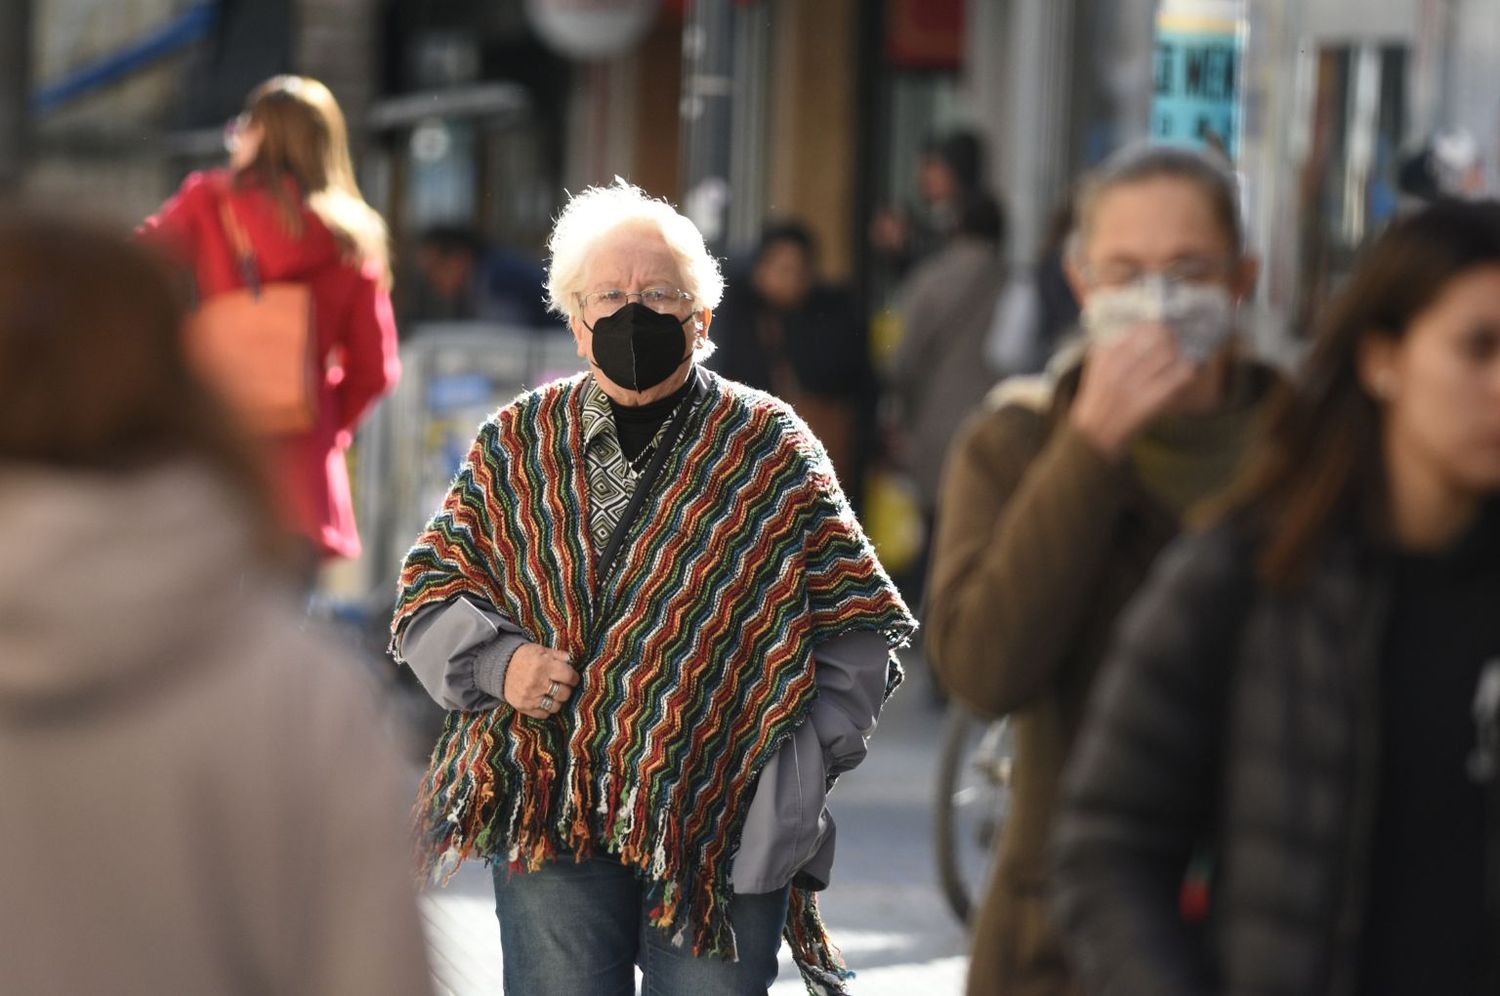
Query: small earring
x: 1382, y: 387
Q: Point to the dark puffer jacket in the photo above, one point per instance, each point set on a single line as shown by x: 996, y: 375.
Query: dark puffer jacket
x: 1228, y: 706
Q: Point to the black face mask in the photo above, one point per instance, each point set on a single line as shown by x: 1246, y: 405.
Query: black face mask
x: 638, y: 348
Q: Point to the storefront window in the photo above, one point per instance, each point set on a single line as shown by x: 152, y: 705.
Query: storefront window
x: 1347, y: 182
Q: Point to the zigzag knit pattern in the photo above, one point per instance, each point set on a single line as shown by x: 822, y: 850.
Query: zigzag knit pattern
x: 695, y: 654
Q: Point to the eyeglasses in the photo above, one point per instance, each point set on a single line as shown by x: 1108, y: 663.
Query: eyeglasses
x: 1183, y: 270
x: 663, y: 300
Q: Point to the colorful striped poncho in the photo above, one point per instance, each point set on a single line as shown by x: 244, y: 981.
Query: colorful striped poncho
x: 695, y: 654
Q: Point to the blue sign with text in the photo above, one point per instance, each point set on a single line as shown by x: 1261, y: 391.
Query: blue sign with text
x: 1196, y: 96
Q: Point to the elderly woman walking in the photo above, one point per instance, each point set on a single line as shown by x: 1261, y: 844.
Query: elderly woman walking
x: 662, y: 634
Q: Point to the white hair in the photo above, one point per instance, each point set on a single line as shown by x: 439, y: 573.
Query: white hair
x: 596, y: 212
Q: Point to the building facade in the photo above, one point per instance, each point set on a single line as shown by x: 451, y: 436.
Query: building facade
x: 485, y: 111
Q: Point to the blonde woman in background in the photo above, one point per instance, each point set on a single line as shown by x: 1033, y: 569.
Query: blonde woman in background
x: 290, y: 185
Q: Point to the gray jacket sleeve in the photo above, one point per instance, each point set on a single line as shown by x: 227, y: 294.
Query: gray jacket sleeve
x: 787, y: 829
x: 851, y: 676
x: 459, y: 651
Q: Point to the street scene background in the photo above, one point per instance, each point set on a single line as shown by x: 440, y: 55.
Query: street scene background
x: 851, y: 122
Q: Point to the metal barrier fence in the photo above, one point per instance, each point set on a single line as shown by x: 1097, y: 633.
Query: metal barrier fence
x: 455, y: 375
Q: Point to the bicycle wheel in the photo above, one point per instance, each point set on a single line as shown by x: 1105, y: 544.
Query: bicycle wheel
x: 973, y: 796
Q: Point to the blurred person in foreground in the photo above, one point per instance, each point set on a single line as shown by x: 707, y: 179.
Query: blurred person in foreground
x: 785, y: 331
x: 290, y: 185
x: 940, y: 372
x: 1058, y: 498
x: 1294, y: 686
x: 199, y: 798
x: 663, y: 635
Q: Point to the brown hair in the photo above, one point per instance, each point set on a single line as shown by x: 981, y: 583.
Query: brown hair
x: 92, y: 371
x: 1319, y: 466
x: 1139, y: 163
x: 304, y: 138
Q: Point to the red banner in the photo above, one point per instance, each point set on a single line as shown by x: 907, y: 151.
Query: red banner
x: 924, y: 34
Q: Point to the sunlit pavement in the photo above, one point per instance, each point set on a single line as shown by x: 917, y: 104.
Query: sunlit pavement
x: 883, y: 908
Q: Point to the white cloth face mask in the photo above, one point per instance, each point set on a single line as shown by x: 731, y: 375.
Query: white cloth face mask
x: 1199, y: 316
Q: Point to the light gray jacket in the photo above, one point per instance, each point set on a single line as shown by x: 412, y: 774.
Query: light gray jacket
x: 199, y: 797
x: 940, y: 373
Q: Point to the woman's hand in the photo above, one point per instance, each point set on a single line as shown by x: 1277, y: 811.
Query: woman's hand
x: 539, y: 680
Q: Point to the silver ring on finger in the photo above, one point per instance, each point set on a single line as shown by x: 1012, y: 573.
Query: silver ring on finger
x: 547, y: 703
x: 552, y: 692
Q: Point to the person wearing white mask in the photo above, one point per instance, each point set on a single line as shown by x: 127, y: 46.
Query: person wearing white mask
x: 1058, y: 497
x: 1304, y: 692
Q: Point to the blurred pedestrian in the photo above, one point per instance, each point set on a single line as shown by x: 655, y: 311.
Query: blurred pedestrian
x: 443, y: 282
x: 663, y: 634
x: 950, y: 173
x: 198, y: 795
x: 1295, y: 687
x: 290, y: 188
x: 940, y: 373
x: 1447, y: 165
x: 1037, y: 313
x: 1057, y: 317
x: 1059, y: 497
x: 458, y: 277
x: 785, y: 331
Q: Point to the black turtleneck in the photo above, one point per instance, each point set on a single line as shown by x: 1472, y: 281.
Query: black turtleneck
x: 637, y: 425
x: 1426, y: 928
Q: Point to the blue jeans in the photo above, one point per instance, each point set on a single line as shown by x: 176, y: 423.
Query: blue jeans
x: 580, y: 929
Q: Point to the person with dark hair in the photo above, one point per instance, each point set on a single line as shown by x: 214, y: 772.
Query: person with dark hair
x: 200, y: 796
x: 441, y: 283
x: 950, y: 176
x: 1057, y: 303
x: 1447, y: 165
x: 1293, y: 693
x: 1060, y: 494
x: 458, y: 276
x: 940, y: 373
x: 1037, y: 313
x: 783, y: 330
x: 952, y: 169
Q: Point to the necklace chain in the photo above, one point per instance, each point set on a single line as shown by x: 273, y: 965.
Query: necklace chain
x: 639, y: 464
x: 643, y: 458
